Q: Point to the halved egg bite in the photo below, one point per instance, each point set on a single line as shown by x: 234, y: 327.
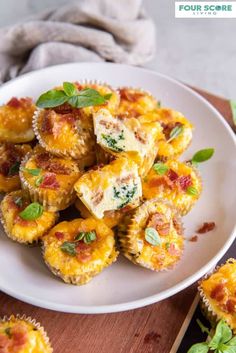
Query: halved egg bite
x: 110, y: 188
x: 23, y: 335
x: 151, y: 235
x: 175, y: 181
x: 80, y: 249
x: 16, y: 120
x: 24, y: 221
x: 10, y: 159
x: 218, y: 294
x: 49, y: 180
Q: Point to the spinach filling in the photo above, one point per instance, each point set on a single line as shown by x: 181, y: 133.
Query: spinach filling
x: 125, y: 194
x: 112, y: 143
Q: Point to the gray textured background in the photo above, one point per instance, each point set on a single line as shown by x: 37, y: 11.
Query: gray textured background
x: 201, y: 52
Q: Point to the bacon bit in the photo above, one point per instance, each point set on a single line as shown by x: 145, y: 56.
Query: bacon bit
x: 47, y: 123
x: 173, y: 250
x: 59, y: 235
x: 140, y: 136
x: 130, y: 96
x: 43, y: 161
x: 164, y: 229
x: 4, y: 343
x: 68, y: 118
x: 50, y: 182
x: 161, y: 181
x: 231, y: 305
x: 177, y: 225
x: 194, y: 238
x: 83, y: 252
x: 97, y: 197
x: 167, y: 128
x: 24, y: 222
x: 19, y: 335
x: 19, y: 103
x: 110, y: 125
x: 156, y: 220
x: 78, y: 86
x: 172, y: 175
x: 125, y: 179
x: 63, y: 109
x: 126, y: 209
x: 218, y: 292
x: 206, y: 227
x: 185, y: 181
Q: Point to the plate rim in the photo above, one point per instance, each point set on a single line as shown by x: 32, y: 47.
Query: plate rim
x: 130, y: 305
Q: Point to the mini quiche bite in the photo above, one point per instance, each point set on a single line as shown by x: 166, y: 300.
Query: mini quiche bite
x: 10, y: 158
x: 176, y: 135
x: 116, y: 135
x: 23, y: 335
x: 152, y: 236
x: 16, y: 120
x: 80, y: 249
x: 49, y: 180
x: 23, y: 221
x: 135, y: 102
x: 175, y: 181
x: 218, y: 294
x: 109, y: 188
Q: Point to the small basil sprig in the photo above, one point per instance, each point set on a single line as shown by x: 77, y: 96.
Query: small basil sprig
x: 69, y: 247
x: 175, y: 132
x: 191, y: 190
x: 34, y: 172
x: 14, y: 169
x: 202, y: 155
x: 152, y: 236
x: 221, y: 342
x: 8, y: 332
x: 71, y: 95
x: 88, y: 237
x: 32, y: 212
x: 160, y: 168
x: 18, y: 201
x: 233, y: 109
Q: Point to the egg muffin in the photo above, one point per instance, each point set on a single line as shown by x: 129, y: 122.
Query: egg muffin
x: 152, y: 236
x: 109, y: 188
x: 16, y: 120
x: 80, y: 249
x: 10, y: 158
x: 49, y: 180
x: 111, y: 218
x: 218, y: 294
x: 135, y: 102
x: 23, y: 335
x: 24, y: 221
x: 176, y: 135
x: 175, y: 181
x: 116, y: 135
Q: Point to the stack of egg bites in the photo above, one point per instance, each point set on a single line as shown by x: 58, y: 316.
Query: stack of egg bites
x: 116, y: 161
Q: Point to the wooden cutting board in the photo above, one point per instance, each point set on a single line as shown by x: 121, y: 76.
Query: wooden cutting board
x: 157, y: 328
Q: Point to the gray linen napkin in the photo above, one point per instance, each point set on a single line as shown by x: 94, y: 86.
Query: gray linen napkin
x: 88, y: 30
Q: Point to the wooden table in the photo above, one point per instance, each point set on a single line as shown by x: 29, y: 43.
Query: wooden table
x: 157, y: 328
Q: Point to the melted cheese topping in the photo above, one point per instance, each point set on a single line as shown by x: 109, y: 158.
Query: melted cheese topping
x: 110, y: 188
x: 35, y: 340
x: 22, y: 230
x: 220, y: 291
x: 102, y: 250
x: 16, y: 123
x: 155, y: 185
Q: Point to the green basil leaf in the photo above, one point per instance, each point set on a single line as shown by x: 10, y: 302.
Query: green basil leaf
x: 8, y: 332
x: 152, y: 236
x: 38, y: 181
x: 32, y: 212
x: 167, y: 246
x: 159, y: 104
x: 107, y: 96
x: 203, y: 328
x: 233, y: 108
x: 52, y: 99
x: 222, y: 335
x: 34, y: 172
x: 86, y: 98
x: 199, y: 348
x: 90, y: 237
x: 70, y: 89
x: 14, y: 169
x: 202, y: 155
x: 69, y: 248
x: 191, y: 190
x: 18, y: 201
x: 80, y: 236
x: 160, y: 168
x: 175, y: 132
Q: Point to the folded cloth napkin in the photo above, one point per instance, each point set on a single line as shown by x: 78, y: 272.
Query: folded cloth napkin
x: 89, y: 30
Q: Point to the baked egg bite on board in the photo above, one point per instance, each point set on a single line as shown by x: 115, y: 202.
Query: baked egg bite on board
x: 116, y: 135
x: 10, y: 158
x: 135, y: 102
x: 111, y: 218
x: 24, y: 221
x: 21, y: 334
x: 80, y: 249
x: 152, y: 236
x: 218, y: 294
x: 16, y: 120
x: 109, y: 188
x: 175, y: 181
x: 176, y: 135
x: 49, y: 180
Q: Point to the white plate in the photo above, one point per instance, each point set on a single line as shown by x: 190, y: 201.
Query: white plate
x: 125, y: 286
